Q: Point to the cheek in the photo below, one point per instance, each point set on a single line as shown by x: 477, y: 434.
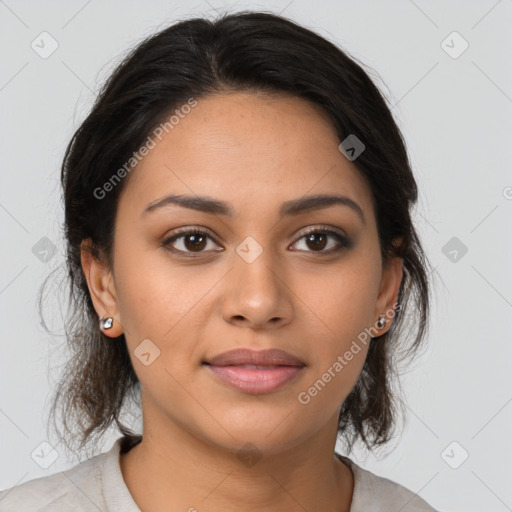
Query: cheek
x: 340, y: 306
x: 156, y: 305
x: 162, y: 302
x: 150, y: 294
x: 342, y: 302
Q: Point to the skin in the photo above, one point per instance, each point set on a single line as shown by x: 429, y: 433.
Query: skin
x: 254, y: 152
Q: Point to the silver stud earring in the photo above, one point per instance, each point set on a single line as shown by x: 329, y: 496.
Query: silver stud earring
x: 106, y: 323
x: 381, y: 322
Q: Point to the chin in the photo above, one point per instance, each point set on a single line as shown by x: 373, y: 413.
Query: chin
x: 269, y: 434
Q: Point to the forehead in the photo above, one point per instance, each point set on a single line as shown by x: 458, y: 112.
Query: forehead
x: 247, y: 149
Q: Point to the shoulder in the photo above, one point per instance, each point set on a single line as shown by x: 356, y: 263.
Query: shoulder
x: 79, y: 489
x: 376, y: 493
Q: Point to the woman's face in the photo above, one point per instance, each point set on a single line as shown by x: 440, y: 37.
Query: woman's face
x: 252, y: 278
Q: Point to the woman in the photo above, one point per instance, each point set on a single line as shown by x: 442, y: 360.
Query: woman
x: 237, y: 216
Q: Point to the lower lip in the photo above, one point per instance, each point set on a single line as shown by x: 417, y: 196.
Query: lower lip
x: 256, y: 381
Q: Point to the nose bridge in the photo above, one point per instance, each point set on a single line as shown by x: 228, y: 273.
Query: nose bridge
x: 257, y: 291
x: 256, y: 267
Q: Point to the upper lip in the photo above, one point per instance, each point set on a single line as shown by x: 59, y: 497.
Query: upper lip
x: 270, y: 357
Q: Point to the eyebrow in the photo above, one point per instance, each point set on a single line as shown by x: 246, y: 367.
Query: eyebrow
x: 289, y: 208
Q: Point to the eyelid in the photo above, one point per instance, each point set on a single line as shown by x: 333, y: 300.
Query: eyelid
x: 190, y: 230
x: 322, y: 228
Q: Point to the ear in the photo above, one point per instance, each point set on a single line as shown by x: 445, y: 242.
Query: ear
x: 392, y: 273
x: 101, y: 288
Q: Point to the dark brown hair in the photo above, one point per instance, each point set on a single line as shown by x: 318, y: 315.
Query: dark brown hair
x: 245, y: 51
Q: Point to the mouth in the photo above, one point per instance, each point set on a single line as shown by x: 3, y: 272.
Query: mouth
x: 255, y: 372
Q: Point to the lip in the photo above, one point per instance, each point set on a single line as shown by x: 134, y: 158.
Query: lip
x: 269, y: 357
x: 255, y: 372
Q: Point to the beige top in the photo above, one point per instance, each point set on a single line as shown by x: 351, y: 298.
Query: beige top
x: 97, y: 485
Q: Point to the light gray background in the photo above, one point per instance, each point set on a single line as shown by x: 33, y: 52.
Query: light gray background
x: 455, y: 114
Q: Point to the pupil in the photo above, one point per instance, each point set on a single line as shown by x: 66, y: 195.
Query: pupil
x: 312, y: 236
x: 196, y: 240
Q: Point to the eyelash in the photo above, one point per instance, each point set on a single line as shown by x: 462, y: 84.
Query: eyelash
x: 343, y: 241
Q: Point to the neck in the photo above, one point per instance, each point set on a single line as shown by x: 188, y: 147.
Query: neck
x: 172, y: 470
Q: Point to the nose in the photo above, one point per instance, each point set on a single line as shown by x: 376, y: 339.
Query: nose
x: 257, y: 294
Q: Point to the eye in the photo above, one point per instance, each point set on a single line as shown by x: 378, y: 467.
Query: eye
x: 190, y: 241
x: 193, y: 242
x: 318, y: 239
